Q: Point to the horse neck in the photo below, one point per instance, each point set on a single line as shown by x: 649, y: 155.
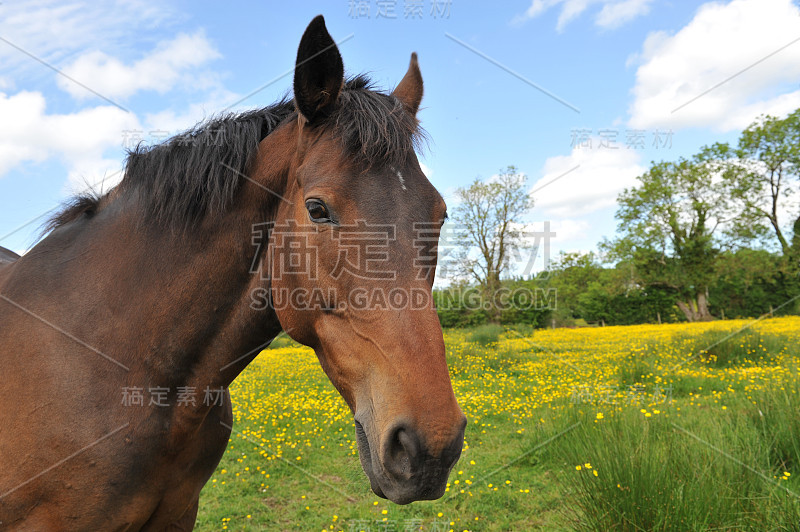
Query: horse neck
x: 222, y: 276
x: 173, y: 306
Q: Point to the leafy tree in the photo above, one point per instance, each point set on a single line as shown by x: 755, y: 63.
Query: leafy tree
x: 457, y: 307
x: 588, y: 291
x: 463, y: 305
x: 671, y: 227
x: 766, y: 165
x: 750, y: 282
x: 526, y: 303
x: 487, y: 218
x: 762, y: 170
x: 595, y: 303
x: 571, y: 274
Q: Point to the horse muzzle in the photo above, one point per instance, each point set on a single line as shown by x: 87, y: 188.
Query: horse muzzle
x: 400, y: 465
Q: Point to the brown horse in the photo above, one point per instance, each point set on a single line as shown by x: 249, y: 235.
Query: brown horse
x: 213, y: 243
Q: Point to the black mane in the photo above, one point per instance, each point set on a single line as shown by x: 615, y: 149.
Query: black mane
x: 198, y: 172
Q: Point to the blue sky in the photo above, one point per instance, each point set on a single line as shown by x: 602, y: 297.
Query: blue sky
x: 628, y: 80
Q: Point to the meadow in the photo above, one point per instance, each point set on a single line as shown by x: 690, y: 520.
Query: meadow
x: 646, y: 427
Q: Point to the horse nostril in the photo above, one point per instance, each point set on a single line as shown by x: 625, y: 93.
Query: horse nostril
x: 402, y: 451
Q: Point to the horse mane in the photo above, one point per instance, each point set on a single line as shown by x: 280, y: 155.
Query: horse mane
x: 74, y: 208
x: 197, y: 172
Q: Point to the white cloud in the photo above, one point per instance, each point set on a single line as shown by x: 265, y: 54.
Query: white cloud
x: 216, y: 98
x: 52, y: 30
x: 173, y: 122
x: 721, y: 41
x: 88, y: 41
x: 614, y: 13
x: 79, y: 139
x: 568, y: 230
x: 55, y: 29
x: 159, y: 71
x: 584, y: 181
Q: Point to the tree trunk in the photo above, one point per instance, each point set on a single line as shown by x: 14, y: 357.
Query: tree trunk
x: 702, y: 306
x: 491, y: 291
x: 687, y: 310
x: 794, y: 249
x: 696, y: 309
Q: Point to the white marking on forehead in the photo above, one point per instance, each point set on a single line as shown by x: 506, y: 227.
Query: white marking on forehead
x: 402, y: 180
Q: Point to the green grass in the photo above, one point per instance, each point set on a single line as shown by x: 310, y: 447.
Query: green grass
x: 663, y: 473
x: 728, y: 348
x: 712, y: 457
x: 775, y: 415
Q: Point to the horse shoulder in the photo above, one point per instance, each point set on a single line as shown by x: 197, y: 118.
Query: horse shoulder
x: 199, y: 448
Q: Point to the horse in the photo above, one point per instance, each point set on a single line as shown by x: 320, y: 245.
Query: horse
x: 175, y: 280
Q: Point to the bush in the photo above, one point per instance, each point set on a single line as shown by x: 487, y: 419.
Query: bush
x: 283, y: 340
x: 485, y: 334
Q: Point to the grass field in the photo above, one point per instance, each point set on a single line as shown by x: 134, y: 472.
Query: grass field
x: 668, y: 427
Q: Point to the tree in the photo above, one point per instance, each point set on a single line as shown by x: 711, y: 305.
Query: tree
x: 612, y: 296
x: 672, y: 226
x: 765, y: 165
x: 488, y: 219
x: 752, y: 281
x: 571, y: 274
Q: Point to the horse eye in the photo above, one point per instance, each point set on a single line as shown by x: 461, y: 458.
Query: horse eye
x: 317, y: 211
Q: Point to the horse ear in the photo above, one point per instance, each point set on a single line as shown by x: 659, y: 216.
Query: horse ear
x: 409, y: 90
x: 318, y: 72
